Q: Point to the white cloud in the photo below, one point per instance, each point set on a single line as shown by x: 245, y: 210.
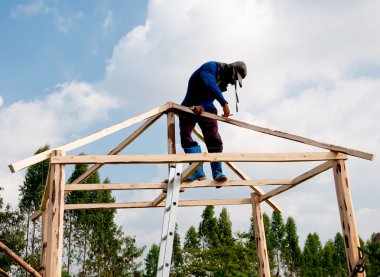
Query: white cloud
x: 108, y: 21
x: 54, y: 119
x: 64, y: 23
x: 31, y: 9
x: 301, y: 59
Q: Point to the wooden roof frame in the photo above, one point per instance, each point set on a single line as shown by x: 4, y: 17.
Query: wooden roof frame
x: 52, y: 204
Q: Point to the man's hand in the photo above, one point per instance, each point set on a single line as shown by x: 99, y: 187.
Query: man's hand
x: 197, y: 109
x: 226, y: 111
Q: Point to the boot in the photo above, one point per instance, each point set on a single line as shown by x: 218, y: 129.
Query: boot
x: 217, y: 174
x: 198, y: 174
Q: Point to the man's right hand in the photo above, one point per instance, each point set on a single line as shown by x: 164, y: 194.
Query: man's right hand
x: 226, y: 111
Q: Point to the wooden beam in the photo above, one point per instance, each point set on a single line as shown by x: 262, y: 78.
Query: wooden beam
x: 120, y: 147
x: 55, y: 219
x: 347, y: 216
x: 235, y: 183
x: 260, y: 238
x: 161, y: 185
x: 202, y: 157
x: 298, y: 180
x: 115, y: 186
x: 85, y: 140
x: 44, y: 235
x: 242, y: 175
x: 18, y: 260
x: 149, y: 204
x: 189, y: 171
x: 276, y: 133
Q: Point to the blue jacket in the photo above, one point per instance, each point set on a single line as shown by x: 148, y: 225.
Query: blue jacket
x: 203, y: 87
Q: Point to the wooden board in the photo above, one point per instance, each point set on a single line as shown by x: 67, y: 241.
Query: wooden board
x: 149, y: 204
x: 298, y: 180
x: 336, y: 148
x: 85, y: 140
x: 202, y: 157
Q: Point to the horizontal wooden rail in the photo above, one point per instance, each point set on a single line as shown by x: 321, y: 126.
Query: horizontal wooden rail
x: 161, y: 185
x: 202, y: 157
x: 149, y: 204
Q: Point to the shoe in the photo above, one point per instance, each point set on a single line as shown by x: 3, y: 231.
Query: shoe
x: 217, y: 174
x: 198, y: 174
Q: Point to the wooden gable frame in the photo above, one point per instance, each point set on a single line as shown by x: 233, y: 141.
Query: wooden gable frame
x: 52, y: 204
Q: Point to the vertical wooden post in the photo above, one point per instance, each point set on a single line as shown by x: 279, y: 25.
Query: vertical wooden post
x: 55, y: 219
x: 44, y: 230
x: 261, y: 243
x: 347, y: 218
x: 171, y: 133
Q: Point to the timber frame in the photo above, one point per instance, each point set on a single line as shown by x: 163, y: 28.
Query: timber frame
x: 52, y: 204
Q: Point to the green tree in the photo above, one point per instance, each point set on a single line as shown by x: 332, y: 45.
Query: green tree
x: 177, y: 256
x: 98, y: 245
x: 11, y: 233
x: 312, y: 256
x: 224, y: 225
x: 276, y: 237
x: 340, y: 260
x: 30, y: 193
x: 208, y: 228
x: 291, y: 252
x: 328, y: 259
x: 372, y: 249
x: 151, y: 261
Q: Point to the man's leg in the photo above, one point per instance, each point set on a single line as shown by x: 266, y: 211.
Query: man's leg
x: 214, y: 144
x: 186, y: 126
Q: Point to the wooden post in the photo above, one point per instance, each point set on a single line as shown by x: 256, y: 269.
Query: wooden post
x: 261, y: 243
x: 44, y: 230
x: 347, y: 218
x: 171, y: 133
x: 55, y: 219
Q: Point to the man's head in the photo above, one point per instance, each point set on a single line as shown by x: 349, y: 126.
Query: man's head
x: 232, y: 73
x: 239, y: 71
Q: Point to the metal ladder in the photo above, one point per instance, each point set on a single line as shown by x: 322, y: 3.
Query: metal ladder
x: 168, y: 226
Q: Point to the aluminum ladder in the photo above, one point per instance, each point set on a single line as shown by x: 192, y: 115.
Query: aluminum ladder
x: 168, y: 226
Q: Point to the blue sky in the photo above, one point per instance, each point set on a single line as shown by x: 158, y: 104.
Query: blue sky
x: 49, y: 42
x: 70, y: 68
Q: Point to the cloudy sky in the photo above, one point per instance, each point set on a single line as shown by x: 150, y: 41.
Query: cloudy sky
x: 69, y: 68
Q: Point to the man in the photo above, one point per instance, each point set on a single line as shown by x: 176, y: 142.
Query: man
x: 205, y: 86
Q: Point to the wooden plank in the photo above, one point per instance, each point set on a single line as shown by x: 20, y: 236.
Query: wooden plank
x: 149, y: 204
x: 276, y: 133
x: 44, y: 234
x: 18, y: 260
x: 298, y: 180
x: 261, y: 244
x: 242, y: 175
x: 55, y: 220
x: 158, y: 200
x: 115, y: 186
x: 347, y: 216
x: 171, y: 132
x: 120, y: 147
x: 189, y: 171
x: 201, y: 157
x: 161, y: 185
x: 90, y: 138
x: 235, y: 183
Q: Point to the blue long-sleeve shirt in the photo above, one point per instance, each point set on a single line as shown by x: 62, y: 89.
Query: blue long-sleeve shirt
x: 203, y: 87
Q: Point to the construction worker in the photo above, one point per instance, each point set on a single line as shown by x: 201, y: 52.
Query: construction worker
x: 205, y: 86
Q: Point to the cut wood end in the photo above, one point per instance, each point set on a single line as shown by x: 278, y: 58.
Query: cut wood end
x: 11, y: 168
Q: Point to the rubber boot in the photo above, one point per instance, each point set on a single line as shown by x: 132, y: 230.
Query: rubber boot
x: 198, y: 174
x: 217, y: 174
